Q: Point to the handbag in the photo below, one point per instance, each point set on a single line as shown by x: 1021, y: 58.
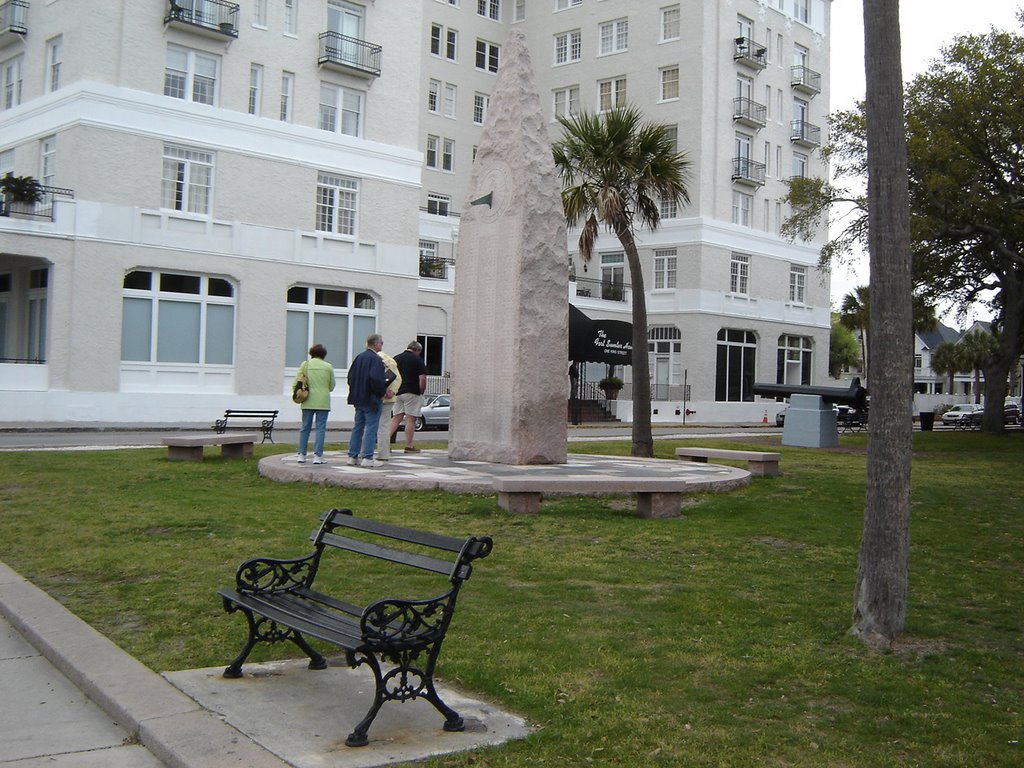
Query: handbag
x: 301, y: 389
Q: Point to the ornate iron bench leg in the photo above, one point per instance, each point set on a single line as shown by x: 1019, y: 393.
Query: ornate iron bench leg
x: 359, y: 736
x: 265, y: 630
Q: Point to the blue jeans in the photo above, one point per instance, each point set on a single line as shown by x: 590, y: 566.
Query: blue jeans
x: 321, y: 430
x: 364, y: 432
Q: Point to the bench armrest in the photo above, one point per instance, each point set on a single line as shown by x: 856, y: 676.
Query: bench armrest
x: 393, y: 622
x: 267, y: 574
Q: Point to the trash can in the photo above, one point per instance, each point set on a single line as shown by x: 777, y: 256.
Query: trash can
x: 927, y: 420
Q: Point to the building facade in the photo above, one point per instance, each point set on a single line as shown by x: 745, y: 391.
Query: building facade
x: 226, y: 183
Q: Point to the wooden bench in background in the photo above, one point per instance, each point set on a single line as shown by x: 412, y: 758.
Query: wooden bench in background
x: 758, y: 462
x: 190, y: 447
x: 264, y: 421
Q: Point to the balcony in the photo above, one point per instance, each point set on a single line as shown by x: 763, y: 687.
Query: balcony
x: 607, y: 290
x: 747, y: 171
x: 805, y: 80
x: 750, y: 54
x: 13, y: 20
x: 211, y: 18
x: 435, y: 267
x: 805, y: 134
x: 749, y: 113
x: 349, y: 54
x: 43, y: 209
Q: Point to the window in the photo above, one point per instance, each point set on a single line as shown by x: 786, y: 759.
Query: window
x: 665, y: 348
x: 259, y: 13
x: 797, y: 283
x: 561, y: 5
x: 739, y: 274
x: 290, y: 21
x: 287, y: 87
x: 448, y: 155
x: 490, y: 9
x: 433, y: 143
x: 669, y: 83
x: 431, y: 266
x: 611, y: 94
x: 613, y: 272
x: 734, y: 374
x: 444, y: 42
x: 338, y: 318
x: 744, y: 27
x: 487, y: 56
x: 434, y: 96
x: 48, y: 161
x: 38, y: 285
x: 255, y: 88
x: 742, y: 204
x: 568, y: 47
x: 567, y: 101
x: 800, y: 55
x: 519, y: 10
x: 5, y: 290
x: 187, y: 180
x: 672, y: 134
x: 802, y: 10
x: 450, y: 92
x: 190, y: 75
x: 438, y: 204
x: 481, y: 101
x: 168, y: 317
x: 667, y: 208
x: 794, y: 361
x: 341, y: 109
x: 670, y: 23
x: 54, y: 56
x: 337, y: 199
x: 799, y: 165
x: 613, y: 36
x: 665, y: 268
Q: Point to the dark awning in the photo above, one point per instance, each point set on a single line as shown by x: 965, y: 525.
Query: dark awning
x: 599, y: 341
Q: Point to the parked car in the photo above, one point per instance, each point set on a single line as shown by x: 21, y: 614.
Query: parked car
x: 780, y: 418
x: 963, y: 415
x: 434, y: 413
x: 1011, y: 412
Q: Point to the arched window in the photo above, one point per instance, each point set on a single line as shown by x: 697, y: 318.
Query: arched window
x: 338, y: 318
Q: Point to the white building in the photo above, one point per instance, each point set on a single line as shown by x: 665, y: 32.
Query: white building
x: 228, y: 182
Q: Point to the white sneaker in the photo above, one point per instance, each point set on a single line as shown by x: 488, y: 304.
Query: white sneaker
x: 353, y: 461
x: 319, y: 460
x: 371, y: 464
x: 301, y: 458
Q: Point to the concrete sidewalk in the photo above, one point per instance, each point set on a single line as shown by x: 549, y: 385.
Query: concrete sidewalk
x: 70, y: 697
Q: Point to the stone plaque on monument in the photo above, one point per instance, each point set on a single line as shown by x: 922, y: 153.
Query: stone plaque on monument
x: 509, y: 359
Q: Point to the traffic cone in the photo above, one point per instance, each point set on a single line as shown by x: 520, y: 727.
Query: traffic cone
x: 765, y: 419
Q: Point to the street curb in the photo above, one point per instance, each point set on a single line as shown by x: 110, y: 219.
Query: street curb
x: 178, y: 732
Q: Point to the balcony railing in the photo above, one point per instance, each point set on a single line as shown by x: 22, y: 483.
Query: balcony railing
x: 349, y: 54
x: 747, y: 171
x: 803, y: 133
x: 215, y: 17
x: 749, y: 53
x: 13, y: 20
x: 749, y: 112
x: 805, y: 80
x: 41, y: 210
x: 600, y: 289
x: 434, y: 267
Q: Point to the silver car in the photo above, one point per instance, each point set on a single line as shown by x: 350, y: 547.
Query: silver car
x: 963, y: 415
x: 434, y: 413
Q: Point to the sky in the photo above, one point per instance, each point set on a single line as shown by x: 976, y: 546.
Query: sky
x: 925, y: 27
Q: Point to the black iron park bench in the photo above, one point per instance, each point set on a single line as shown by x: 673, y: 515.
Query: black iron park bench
x: 262, y: 421
x: 403, y: 636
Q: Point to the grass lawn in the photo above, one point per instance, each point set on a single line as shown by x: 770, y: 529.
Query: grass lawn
x: 717, y: 639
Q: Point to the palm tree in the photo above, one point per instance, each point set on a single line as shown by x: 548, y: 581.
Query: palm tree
x: 948, y: 360
x: 616, y: 169
x: 855, y: 314
x: 978, y: 348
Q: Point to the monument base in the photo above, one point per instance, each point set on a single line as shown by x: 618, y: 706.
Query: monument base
x: 810, y: 423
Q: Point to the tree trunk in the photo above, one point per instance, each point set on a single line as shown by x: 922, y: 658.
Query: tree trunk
x: 643, y: 439
x: 880, y: 596
x: 998, y: 370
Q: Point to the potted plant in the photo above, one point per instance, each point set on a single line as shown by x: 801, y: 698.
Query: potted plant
x: 610, y: 385
x: 21, y: 189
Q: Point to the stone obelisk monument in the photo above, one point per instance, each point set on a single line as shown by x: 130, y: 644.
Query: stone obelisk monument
x: 509, y: 363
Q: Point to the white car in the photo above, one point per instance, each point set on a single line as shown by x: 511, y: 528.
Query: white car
x: 963, y: 415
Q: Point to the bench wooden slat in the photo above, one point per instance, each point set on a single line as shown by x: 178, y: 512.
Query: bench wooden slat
x: 389, y: 554
x: 435, y: 540
x: 278, y: 608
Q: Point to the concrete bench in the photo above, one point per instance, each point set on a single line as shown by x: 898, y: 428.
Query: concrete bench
x: 758, y: 462
x: 655, y: 496
x: 190, y: 448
